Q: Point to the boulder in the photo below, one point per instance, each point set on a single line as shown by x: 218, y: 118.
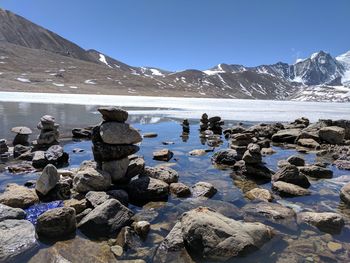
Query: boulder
x: 39, y: 159
x: 225, y: 157
x: 241, y: 139
x: 78, y: 205
x: 117, y: 168
x: 56, y: 155
x: 203, y: 189
x: 106, y: 219
x: 7, y: 212
x: 136, y: 167
x: 215, y: 237
x: 18, y: 196
x: 288, y: 189
x: 113, y: 114
x: 257, y: 171
x: 96, y: 198
x: 296, y: 160
x: 316, y: 171
x: 121, y: 195
x: 180, y: 190
x: 252, y: 158
x: 104, y: 152
x: 163, y: 155
x: 259, y: 194
x: 309, y: 143
x: 119, y: 133
x: 16, y: 238
x: 47, y: 180
x: 327, y: 222
x: 56, y: 223
x: 290, y: 174
x: 332, y: 134
x: 287, y: 136
x: 165, y: 174
x: 345, y: 193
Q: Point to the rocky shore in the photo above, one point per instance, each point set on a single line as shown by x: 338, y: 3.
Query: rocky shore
x: 113, y: 199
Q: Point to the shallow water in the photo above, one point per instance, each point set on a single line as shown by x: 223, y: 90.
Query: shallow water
x: 192, y: 169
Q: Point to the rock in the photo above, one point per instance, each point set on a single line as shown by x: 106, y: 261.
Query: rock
x: 113, y: 114
x: 48, y: 137
x: 3, y: 146
x: 106, y: 152
x: 56, y: 155
x: 296, y: 160
x: 327, y: 222
x: 332, y: 134
x: 119, y: 133
x: 288, y: 189
x: 22, y: 130
x: 342, y: 164
x: 252, y: 157
x: 345, y: 193
x: 20, y: 149
x: 309, y: 143
x: 241, y: 139
x: 334, y: 247
x: 215, y: 237
x: 121, y: 195
x: 165, y: 174
x: 117, y: 168
x: 290, y: 174
x: 39, y: 160
x: 16, y: 238
x: 81, y: 133
x: 257, y: 171
x: 225, y: 157
x: 150, y: 135
x: 97, y: 198
x: 56, y: 223
x: 7, y: 212
x: 106, y: 219
x: 203, y: 189
x: 136, y: 167
x: 61, y: 191
x: 117, y: 250
x: 78, y: 205
x: 47, y: 180
x: 142, y: 228
x: 81, y: 215
x: 260, y: 194
x: 146, y: 189
x: 88, y: 178
x: 198, y: 152
x: 316, y: 171
x: 267, y: 151
x: 163, y: 155
x: 18, y: 196
x: 180, y: 190
x: 288, y: 135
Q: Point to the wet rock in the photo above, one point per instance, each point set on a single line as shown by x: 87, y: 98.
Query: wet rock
x: 121, y: 195
x: 117, y: 168
x: 106, y: 219
x: 96, y: 198
x: 81, y: 133
x: 7, y: 212
x: 288, y: 135
x: 20, y: 149
x: 257, y: 171
x: 16, y: 238
x: 163, y: 155
x: 225, y: 157
x: 203, y: 189
x: 21, y: 168
x: 213, y: 236
x: 259, y: 194
x: 180, y: 190
x: 327, y: 222
x: 141, y: 228
x: 267, y: 151
x: 345, y: 193
x: 56, y: 223
x: 241, y: 139
x: 316, y: 171
x: 113, y: 114
x: 296, y: 160
x: 309, y: 143
x: 39, y: 159
x: 332, y: 134
x: 288, y: 189
x: 136, y: 167
x: 117, y: 250
x: 78, y: 205
x: 18, y: 196
x: 107, y: 152
x: 290, y: 174
x: 252, y: 155
x: 56, y: 155
x: 198, y: 152
x: 146, y: 189
x: 47, y: 180
x: 3, y: 146
x: 119, y: 133
x: 150, y: 135
x: 165, y: 174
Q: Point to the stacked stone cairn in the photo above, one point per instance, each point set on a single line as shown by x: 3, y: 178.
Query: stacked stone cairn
x: 22, y: 135
x: 113, y: 141
x: 185, y: 130
x: 204, y: 123
x: 4, y: 154
x: 215, y: 124
x: 49, y: 134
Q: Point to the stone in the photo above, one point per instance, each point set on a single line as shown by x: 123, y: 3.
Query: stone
x: 96, y: 198
x: 241, y: 139
x: 16, y: 238
x: 316, y: 171
x: 61, y: 191
x: 20, y: 149
x: 334, y: 246
x: 106, y: 219
x: 18, y: 196
x: 288, y: 189
x: 286, y: 136
x: 89, y: 178
x: 150, y: 135
x: 225, y: 157
x: 22, y: 130
x: 215, y: 237
x: 48, y: 137
x: 345, y: 194
x: 198, y: 152
x: 81, y: 215
x: 250, y: 157
x: 117, y: 168
x: 106, y: 152
x: 22, y: 139
x: 56, y: 155
x: 165, y: 174
x: 78, y: 205
x: 332, y: 134
x: 146, y: 189
x: 121, y: 195
x: 56, y: 223
x: 163, y: 155
x: 290, y: 174
x: 267, y: 151
x: 7, y: 212
x: 180, y: 190
x: 142, y: 228
x: 136, y: 167
x: 47, y: 180
x: 81, y: 133
x: 327, y: 222
x: 203, y: 189
x: 309, y: 143
x: 39, y: 159
x: 117, y: 250
x: 3, y: 146
x: 296, y: 160
x: 113, y: 114
x: 260, y: 194
x: 119, y: 133
x: 342, y: 164
x: 257, y: 171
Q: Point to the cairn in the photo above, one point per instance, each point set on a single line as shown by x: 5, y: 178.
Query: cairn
x: 215, y: 124
x: 113, y: 141
x: 49, y: 134
x: 22, y: 135
x: 204, y: 123
x: 185, y: 126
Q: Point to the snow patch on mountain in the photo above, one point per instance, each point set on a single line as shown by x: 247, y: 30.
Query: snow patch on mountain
x: 344, y: 59
x: 103, y: 60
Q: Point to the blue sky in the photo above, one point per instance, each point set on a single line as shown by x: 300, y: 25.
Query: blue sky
x: 180, y: 34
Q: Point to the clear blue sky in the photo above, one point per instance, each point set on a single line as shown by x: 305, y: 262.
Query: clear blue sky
x: 180, y: 34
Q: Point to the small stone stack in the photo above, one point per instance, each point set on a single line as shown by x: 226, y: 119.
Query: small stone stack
x: 204, y: 124
x: 113, y: 141
x: 215, y: 124
x: 185, y: 126
x: 49, y: 133
x: 22, y: 136
x: 4, y: 154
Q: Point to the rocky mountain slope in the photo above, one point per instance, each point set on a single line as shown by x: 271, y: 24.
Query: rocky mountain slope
x: 33, y: 58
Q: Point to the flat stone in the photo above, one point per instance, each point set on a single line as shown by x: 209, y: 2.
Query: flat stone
x: 288, y: 135
x: 150, y: 135
x: 288, y: 189
x: 203, y: 189
x: 180, y: 190
x: 22, y: 130
x: 309, y: 143
x: 327, y: 222
x: 18, y: 196
x: 316, y: 171
x: 7, y: 212
x: 119, y: 133
x: 198, y: 152
x: 260, y: 194
x: 78, y: 205
x: 113, y: 114
x: 163, y: 155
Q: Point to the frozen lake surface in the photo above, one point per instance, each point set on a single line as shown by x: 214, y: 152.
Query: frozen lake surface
x: 228, y: 109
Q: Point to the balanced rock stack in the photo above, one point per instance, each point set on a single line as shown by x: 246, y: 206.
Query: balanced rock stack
x: 204, y: 122
x: 113, y: 141
x: 22, y: 136
x: 185, y: 126
x: 215, y: 124
x: 49, y: 133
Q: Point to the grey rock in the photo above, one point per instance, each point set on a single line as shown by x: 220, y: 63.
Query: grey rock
x: 259, y: 194
x: 288, y: 135
x: 288, y: 189
x: 117, y: 168
x: 47, y: 180
x: 345, y: 193
x: 290, y: 174
x: 97, y: 198
x: 165, y: 174
x: 119, y: 133
x: 332, y: 134
x: 327, y: 222
x: 22, y: 130
x: 18, y: 196
x: 225, y: 157
x: 113, y: 114
x: 163, y: 155
x: 316, y: 171
x: 7, y: 212
x: 121, y: 195
x: 180, y: 190
x: 203, y: 189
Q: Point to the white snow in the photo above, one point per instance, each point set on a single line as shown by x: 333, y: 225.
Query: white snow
x: 58, y: 84
x: 314, y: 55
x: 300, y: 60
x: 344, y: 59
x: 156, y: 72
x: 229, y: 109
x: 90, y: 81
x: 214, y: 71
x: 23, y: 80
x: 103, y: 60
x: 73, y: 87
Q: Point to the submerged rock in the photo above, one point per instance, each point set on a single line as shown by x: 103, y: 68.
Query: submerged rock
x: 288, y: 189
x: 163, y: 155
x: 180, y: 190
x: 316, y: 171
x: 203, y: 189
x: 326, y: 222
x: 290, y: 174
x: 164, y: 174
x: 260, y: 194
x: 225, y: 157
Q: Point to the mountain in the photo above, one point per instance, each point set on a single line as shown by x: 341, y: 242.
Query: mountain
x: 35, y: 59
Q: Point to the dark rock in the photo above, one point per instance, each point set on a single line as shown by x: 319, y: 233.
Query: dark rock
x: 288, y: 135
x: 225, y: 157
x: 180, y: 190
x: 7, y: 212
x: 107, y: 152
x: 203, y: 189
x: 163, y: 155
x: 345, y: 193
x: 296, y: 160
x: 165, y: 174
x: 316, y: 171
x: 81, y: 133
x: 55, y: 155
x: 290, y: 174
x: 113, y: 114
x: 332, y: 134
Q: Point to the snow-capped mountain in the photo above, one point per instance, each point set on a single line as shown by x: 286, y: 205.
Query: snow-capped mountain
x: 33, y: 58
